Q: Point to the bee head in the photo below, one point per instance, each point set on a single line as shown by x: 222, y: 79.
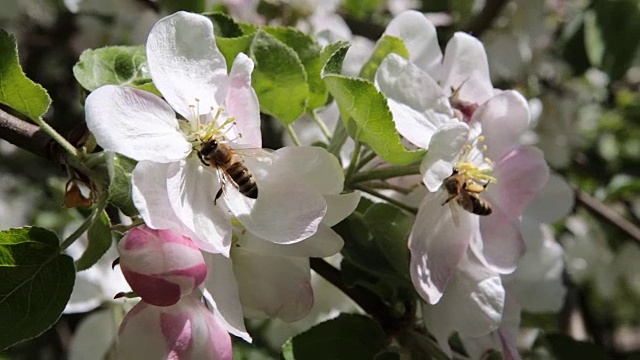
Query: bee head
x: 208, y: 147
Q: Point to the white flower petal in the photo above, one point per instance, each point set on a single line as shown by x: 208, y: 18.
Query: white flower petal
x: 273, y: 286
x: 417, y: 102
x: 242, y: 102
x: 538, y: 283
x: 340, y: 206
x: 420, y: 38
x: 287, y: 209
x: 135, y: 123
x: 150, y: 197
x: 553, y: 202
x: 314, y: 165
x: 437, y: 245
x: 444, y: 148
x: 221, y: 284
x: 521, y: 174
x: 465, y: 69
x: 472, y: 304
x: 504, y: 118
x: 325, y: 242
x: 185, y: 63
x: 502, y: 243
x: 97, y: 334
x: 191, y: 189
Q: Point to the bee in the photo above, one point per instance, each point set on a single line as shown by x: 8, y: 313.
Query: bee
x: 225, y: 159
x: 465, y: 192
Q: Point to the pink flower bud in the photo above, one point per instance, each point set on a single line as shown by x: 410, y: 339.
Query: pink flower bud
x: 186, y: 330
x: 161, y: 266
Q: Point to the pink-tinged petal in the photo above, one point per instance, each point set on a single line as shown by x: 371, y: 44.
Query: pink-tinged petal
x: 273, y: 286
x: 503, y: 339
x: 185, y: 63
x: 325, y: 242
x: 242, y: 103
x: 444, y: 149
x: 222, y: 286
x: 504, y: 118
x: 150, y: 197
x: 420, y: 38
x: 287, y: 210
x: 502, y: 245
x: 437, y: 245
x: 315, y: 166
x: 339, y: 207
x: 161, y: 266
x: 192, y: 190
x: 465, y: 68
x: 553, y: 202
x: 472, y: 304
x: 538, y: 283
x: 135, y: 123
x: 186, y: 330
x: 418, y: 104
x: 521, y: 174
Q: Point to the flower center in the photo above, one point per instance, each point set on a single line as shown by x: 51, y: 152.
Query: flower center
x: 204, y: 127
x: 467, y: 167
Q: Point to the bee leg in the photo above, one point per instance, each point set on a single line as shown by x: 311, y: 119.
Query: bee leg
x: 202, y: 159
x: 449, y: 199
x: 218, y: 194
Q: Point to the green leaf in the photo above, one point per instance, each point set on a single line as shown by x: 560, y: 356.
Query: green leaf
x: 118, y: 65
x: 279, y: 78
x: 354, y: 337
x: 120, y: 169
x: 370, y: 118
x: 308, y: 51
x: 99, y: 236
x: 171, y: 6
x: 36, y: 283
x: 16, y: 90
x: 386, y: 45
x: 617, y: 24
x: 230, y: 37
x: 390, y: 229
x: 564, y: 347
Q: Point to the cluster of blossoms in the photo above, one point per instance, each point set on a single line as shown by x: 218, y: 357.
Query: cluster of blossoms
x: 208, y: 255
x: 447, y: 104
x: 245, y: 256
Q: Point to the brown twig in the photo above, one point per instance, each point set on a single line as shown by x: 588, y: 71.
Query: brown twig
x: 601, y: 210
x: 482, y: 22
x: 25, y: 135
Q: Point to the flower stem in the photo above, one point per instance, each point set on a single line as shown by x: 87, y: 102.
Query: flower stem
x: 391, y: 201
x: 294, y: 136
x: 365, y: 160
x: 354, y: 160
x: 323, y: 127
x: 385, y: 173
x: 80, y: 230
x: 57, y: 137
x: 338, y: 139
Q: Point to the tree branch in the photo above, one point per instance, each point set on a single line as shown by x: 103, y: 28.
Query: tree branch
x: 601, y: 210
x: 25, y: 135
x: 482, y: 22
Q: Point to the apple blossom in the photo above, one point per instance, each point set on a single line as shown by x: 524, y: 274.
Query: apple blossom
x: 448, y: 105
x: 273, y: 280
x: 186, y: 330
x: 161, y: 266
x: 172, y: 188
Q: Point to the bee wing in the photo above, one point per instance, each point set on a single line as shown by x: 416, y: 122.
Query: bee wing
x: 455, y: 216
x: 258, y: 154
